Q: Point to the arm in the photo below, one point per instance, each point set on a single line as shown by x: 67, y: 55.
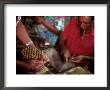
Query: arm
x: 32, y: 66
x: 88, y: 57
x: 62, y: 44
x: 79, y: 58
x: 51, y: 28
x: 23, y: 35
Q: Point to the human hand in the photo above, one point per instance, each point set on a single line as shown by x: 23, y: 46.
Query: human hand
x: 66, y: 54
x: 35, y: 65
x: 77, y: 59
x: 30, y: 66
x: 44, y: 57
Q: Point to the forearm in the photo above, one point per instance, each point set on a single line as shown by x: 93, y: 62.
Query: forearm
x: 28, y: 66
x: 62, y: 44
x: 41, y: 20
x: 50, y: 27
x: 21, y: 64
x: 89, y: 57
x: 22, y: 34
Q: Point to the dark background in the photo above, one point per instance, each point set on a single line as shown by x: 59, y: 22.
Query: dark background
x: 2, y: 31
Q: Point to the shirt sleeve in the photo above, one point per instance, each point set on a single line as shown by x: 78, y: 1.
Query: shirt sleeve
x: 69, y: 28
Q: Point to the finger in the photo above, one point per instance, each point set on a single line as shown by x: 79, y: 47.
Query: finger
x: 45, y: 58
x: 75, y: 61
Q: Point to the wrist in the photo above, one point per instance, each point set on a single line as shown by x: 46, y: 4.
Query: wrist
x: 30, y: 44
x: 87, y: 57
x: 65, y: 50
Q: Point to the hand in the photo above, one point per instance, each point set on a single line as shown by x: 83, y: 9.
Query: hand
x: 80, y: 57
x: 30, y: 66
x: 77, y: 59
x: 39, y: 19
x: 35, y: 65
x: 45, y: 58
x: 66, y: 54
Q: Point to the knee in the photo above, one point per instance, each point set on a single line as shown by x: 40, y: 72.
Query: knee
x: 51, y: 52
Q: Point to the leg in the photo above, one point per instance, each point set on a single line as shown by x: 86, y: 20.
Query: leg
x: 54, y: 58
x: 56, y: 61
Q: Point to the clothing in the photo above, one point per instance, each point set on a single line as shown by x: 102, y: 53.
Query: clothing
x: 56, y: 61
x: 57, y: 21
x: 24, y: 66
x: 78, y: 45
x: 74, y: 42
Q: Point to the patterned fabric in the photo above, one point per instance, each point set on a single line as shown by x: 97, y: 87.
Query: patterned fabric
x: 57, y: 21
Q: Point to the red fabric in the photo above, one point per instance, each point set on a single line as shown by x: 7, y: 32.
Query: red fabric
x: 75, y: 44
